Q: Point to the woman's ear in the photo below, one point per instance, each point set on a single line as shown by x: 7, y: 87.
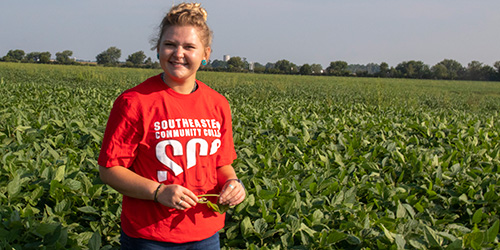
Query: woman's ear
x: 208, y: 50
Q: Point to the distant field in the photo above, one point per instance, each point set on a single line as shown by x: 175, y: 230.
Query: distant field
x: 328, y: 162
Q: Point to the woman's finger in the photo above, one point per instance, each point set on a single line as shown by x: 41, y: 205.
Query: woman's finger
x: 177, y: 196
x: 190, y: 198
x: 237, y: 198
x: 231, y: 192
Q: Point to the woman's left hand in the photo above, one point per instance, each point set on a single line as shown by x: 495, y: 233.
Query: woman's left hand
x: 233, y: 193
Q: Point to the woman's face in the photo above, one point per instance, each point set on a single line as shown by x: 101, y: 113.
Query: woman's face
x: 181, y: 52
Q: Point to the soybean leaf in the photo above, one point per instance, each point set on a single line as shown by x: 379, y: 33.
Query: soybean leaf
x: 307, y: 229
x: 95, y: 241
x: 88, y: 210
x: 400, y: 241
x: 260, y: 226
x: 353, y: 240
x: 52, y: 237
x: 14, y: 187
x: 220, y: 208
x: 216, y: 207
x: 266, y: 194
x: 46, y: 228
x: 60, y: 172
x: 246, y: 227
x: 475, y: 239
x: 35, y: 195
x: 335, y: 236
x: 410, y: 210
x: 478, y: 216
x: 492, y: 232
x: 401, y: 211
x: 455, y: 245
x: 431, y: 236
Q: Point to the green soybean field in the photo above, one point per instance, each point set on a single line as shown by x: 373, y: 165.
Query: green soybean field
x: 328, y: 162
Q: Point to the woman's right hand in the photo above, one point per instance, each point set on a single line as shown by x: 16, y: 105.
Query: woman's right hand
x: 176, y: 196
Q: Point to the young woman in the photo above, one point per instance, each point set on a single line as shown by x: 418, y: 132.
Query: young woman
x: 169, y: 140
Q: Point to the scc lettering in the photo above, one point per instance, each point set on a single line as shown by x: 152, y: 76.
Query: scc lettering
x: 190, y: 152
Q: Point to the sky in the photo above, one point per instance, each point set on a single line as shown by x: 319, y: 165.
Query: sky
x: 312, y: 31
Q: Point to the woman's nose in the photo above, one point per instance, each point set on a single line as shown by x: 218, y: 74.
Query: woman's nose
x: 178, y: 52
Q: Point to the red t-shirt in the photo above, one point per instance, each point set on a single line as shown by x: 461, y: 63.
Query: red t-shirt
x: 171, y: 138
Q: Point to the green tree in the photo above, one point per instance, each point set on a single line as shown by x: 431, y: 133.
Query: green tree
x: 306, y: 69
x: 497, y: 73
x: 137, y: 58
x: 246, y: 64
x: 148, y: 63
x: 317, y: 69
x: 235, y: 64
x: 109, y: 56
x: 219, y: 64
x: 489, y: 73
x: 454, y: 70
x: 364, y: 70
x: 64, y: 57
x: 393, y: 72
x: 414, y: 69
x: 38, y: 57
x: 474, y: 70
x: 284, y: 66
x: 32, y: 57
x: 497, y: 66
x: 384, y: 70
x: 14, y: 56
x: 258, y: 68
x: 479, y: 72
x: 294, y: 69
x: 439, y: 71
x: 271, y: 68
x: 45, y: 57
x: 372, y: 68
x: 337, y: 68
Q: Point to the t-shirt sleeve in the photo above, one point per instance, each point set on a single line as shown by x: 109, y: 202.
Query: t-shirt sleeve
x: 227, y: 152
x: 122, y: 135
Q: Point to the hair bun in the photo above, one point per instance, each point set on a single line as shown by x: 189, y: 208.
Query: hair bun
x: 192, y: 9
x: 186, y: 14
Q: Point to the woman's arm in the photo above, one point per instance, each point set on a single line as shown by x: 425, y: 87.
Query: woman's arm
x: 233, y: 193
x: 133, y: 185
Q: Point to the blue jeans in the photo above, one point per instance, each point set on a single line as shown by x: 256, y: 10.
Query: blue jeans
x: 129, y: 243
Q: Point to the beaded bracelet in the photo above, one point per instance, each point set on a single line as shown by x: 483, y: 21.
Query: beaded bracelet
x: 156, y: 193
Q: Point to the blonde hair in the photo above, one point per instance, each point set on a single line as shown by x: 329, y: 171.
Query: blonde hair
x: 187, y: 14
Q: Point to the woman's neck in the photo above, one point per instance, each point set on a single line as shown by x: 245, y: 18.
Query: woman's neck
x: 184, y: 87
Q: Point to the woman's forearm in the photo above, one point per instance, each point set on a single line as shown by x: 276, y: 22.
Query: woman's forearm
x: 128, y: 183
x: 225, y: 173
x: 233, y: 192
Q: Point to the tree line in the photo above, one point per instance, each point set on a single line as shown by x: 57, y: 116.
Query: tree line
x: 447, y: 69
x: 109, y: 57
